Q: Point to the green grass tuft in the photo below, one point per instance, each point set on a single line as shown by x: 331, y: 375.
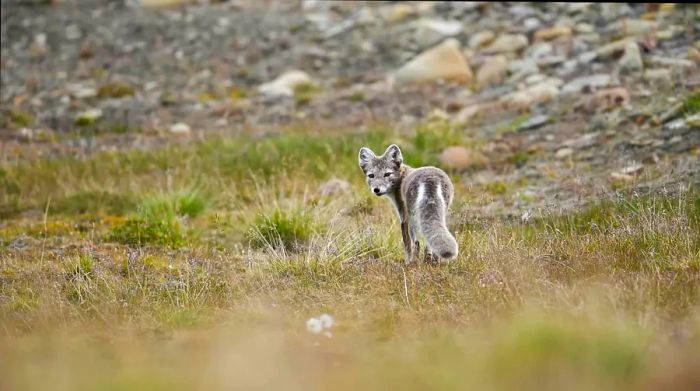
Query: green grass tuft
x: 136, y: 231
x: 115, y: 90
x: 158, y: 220
x: 288, y: 229
x: 691, y: 104
x: 20, y: 118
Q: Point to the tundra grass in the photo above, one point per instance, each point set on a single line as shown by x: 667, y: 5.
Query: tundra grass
x: 604, y: 297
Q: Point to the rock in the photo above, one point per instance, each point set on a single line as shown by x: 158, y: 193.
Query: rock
x: 38, y: 48
x: 161, y: 3
x: 539, y: 78
x: 574, y: 8
x: 550, y: 61
x: 632, y: 59
x: 671, y: 62
x: 611, y: 97
x: 73, y: 32
x: 444, y: 61
x: 664, y: 35
x: 539, y: 50
x: 549, y: 33
x: 658, y: 74
x: 334, y: 186
x: 180, y: 128
x: 608, y: 50
x: 398, y: 12
x: 466, y: 114
x: 584, y: 28
x: 521, y: 69
x: 612, y: 11
x: 694, y: 54
x: 563, y: 153
x: 534, y: 122
x: 677, y: 124
x: 587, y: 57
x: 531, y: 24
x: 430, y: 31
x: 633, y: 169
x: 322, y: 21
x: 586, y: 141
x: 492, y: 71
x: 26, y: 134
x: 424, y: 7
x: 627, y: 174
x: 671, y: 113
x: 80, y: 91
x: 481, y: 39
x: 637, y: 26
x: 524, y: 99
x: 460, y: 158
x: 693, y: 120
x: 284, y: 84
x: 593, y: 81
x: 507, y: 43
x: 619, y: 177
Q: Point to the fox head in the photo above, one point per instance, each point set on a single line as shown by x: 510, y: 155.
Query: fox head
x: 383, y: 173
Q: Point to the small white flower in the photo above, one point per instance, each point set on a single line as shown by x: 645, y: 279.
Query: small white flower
x: 326, y: 321
x: 526, y: 216
x: 314, y: 325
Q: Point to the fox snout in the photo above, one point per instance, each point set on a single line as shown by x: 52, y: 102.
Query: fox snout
x: 379, y: 190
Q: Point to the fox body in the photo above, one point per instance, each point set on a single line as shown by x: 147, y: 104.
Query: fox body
x: 421, y: 197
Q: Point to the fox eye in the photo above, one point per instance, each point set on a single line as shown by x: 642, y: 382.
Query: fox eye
x: 370, y: 176
x: 386, y: 174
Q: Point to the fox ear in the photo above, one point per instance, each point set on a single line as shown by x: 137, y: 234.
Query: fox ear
x: 394, y: 154
x: 365, y: 156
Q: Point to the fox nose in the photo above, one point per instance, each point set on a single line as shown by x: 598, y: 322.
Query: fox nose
x: 376, y: 190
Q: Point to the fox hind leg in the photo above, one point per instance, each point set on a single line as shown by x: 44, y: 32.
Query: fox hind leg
x: 429, y: 257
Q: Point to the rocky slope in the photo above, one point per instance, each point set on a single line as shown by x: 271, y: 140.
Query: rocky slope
x: 569, y: 100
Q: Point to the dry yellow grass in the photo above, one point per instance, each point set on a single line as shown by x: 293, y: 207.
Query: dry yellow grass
x: 605, y: 297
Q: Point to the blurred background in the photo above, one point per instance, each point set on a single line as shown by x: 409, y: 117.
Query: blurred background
x: 180, y: 201
x: 128, y: 74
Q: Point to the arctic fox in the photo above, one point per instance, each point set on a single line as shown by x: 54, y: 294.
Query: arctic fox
x: 421, y: 197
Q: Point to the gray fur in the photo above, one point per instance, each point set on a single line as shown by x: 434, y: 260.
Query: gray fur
x: 421, y: 197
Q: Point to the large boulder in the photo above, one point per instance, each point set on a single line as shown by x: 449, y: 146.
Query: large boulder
x: 442, y: 62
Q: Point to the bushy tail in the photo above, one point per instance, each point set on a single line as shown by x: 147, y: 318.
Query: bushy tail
x: 432, y: 222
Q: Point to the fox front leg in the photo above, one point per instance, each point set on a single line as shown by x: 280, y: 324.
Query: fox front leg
x: 407, y: 245
x: 429, y: 257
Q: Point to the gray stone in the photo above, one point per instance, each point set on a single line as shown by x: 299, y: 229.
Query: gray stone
x: 593, y: 81
x: 632, y: 59
x: 534, y: 122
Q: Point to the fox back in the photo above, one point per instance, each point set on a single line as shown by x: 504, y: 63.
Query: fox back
x: 428, y: 192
